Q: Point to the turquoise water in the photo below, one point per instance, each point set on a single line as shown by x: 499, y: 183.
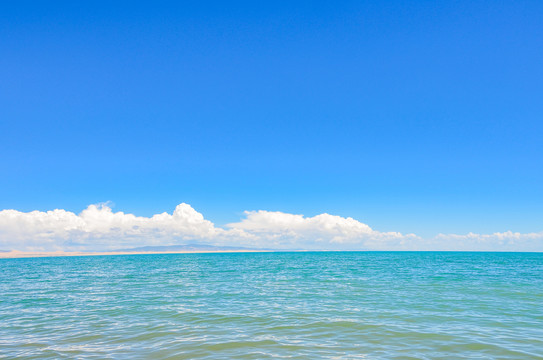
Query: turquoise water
x: 364, y: 305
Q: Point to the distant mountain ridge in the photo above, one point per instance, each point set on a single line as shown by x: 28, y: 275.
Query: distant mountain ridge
x: 186, y: 247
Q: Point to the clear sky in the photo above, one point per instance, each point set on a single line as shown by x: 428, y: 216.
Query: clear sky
x: 420, y: 117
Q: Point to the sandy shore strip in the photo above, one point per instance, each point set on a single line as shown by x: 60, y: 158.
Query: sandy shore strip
x: 30, y: 254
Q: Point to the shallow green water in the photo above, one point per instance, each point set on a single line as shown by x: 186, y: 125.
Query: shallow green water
x: 366, y: 305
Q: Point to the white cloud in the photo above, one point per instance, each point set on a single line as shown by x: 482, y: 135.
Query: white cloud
x: 99, y: 228
x: 323, y: 231
x: 504, y: 241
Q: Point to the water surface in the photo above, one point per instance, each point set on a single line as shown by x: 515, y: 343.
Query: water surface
x: 350, y: 305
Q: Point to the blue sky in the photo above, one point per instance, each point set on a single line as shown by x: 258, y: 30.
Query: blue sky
x: 420, y: 117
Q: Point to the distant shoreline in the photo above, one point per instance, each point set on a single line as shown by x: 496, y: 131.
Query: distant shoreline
x: 14, y: 254
x: 34, y: 254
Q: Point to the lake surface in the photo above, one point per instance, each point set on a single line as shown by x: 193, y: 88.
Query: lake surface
x: 350, y: 305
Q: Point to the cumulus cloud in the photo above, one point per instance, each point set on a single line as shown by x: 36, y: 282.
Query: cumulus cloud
x: 99, y: 228
x: 319, y: 232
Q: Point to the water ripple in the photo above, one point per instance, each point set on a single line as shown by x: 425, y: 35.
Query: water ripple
x: 274, y: 305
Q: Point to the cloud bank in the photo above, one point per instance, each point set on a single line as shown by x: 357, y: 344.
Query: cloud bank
x: 99, y: 228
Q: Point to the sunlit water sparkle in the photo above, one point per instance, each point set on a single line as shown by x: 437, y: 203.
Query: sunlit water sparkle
x: 344, y: 305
